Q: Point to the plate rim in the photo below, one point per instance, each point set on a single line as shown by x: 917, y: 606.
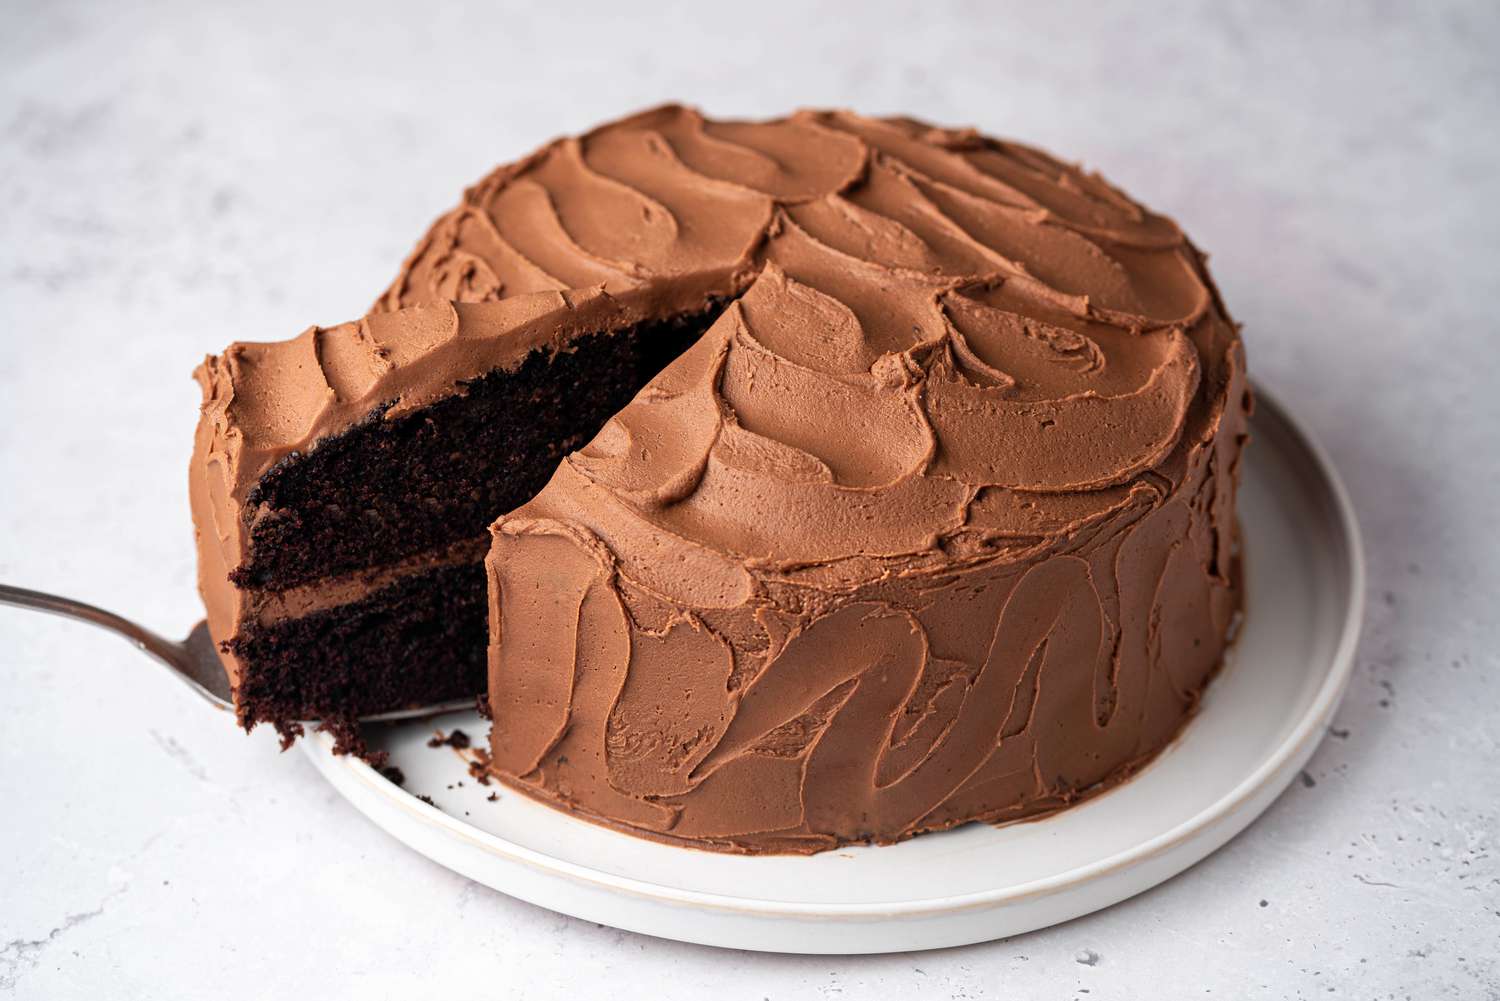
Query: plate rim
x: 1309, y: 728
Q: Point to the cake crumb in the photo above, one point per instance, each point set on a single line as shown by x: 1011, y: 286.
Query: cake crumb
x: 479, y: 765
x: 458, y: 740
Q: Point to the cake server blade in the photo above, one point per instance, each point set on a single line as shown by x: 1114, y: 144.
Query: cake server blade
x: 193, y: 661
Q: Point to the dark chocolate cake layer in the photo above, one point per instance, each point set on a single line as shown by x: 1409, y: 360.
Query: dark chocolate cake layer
x: 417, y: 641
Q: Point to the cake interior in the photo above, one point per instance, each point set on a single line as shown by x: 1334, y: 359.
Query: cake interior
x: 366, y: 552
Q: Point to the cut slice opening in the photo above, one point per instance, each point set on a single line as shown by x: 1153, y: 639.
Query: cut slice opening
x: 366, y: 551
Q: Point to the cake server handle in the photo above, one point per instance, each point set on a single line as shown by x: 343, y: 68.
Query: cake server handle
x: 194, y: 661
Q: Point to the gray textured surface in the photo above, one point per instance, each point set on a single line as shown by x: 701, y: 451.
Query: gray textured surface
x: 173, y: 177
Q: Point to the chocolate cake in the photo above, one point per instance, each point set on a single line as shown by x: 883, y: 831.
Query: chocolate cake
x: 343, y: 484
x: 913, y: 502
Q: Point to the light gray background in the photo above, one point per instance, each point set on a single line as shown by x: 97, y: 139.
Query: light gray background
x: 174, y: 176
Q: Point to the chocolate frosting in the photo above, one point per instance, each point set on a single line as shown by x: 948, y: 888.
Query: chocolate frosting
x: 935, y: 524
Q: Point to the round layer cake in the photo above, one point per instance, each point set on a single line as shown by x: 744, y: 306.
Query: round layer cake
x: 935, y: 523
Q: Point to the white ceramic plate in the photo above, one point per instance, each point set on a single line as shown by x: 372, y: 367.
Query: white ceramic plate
x: 1260, y: 721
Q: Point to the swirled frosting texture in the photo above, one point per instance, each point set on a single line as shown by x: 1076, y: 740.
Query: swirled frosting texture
x: 935, y: 524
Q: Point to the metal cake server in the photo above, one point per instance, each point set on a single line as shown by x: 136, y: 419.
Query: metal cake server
x: 193, y: 661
